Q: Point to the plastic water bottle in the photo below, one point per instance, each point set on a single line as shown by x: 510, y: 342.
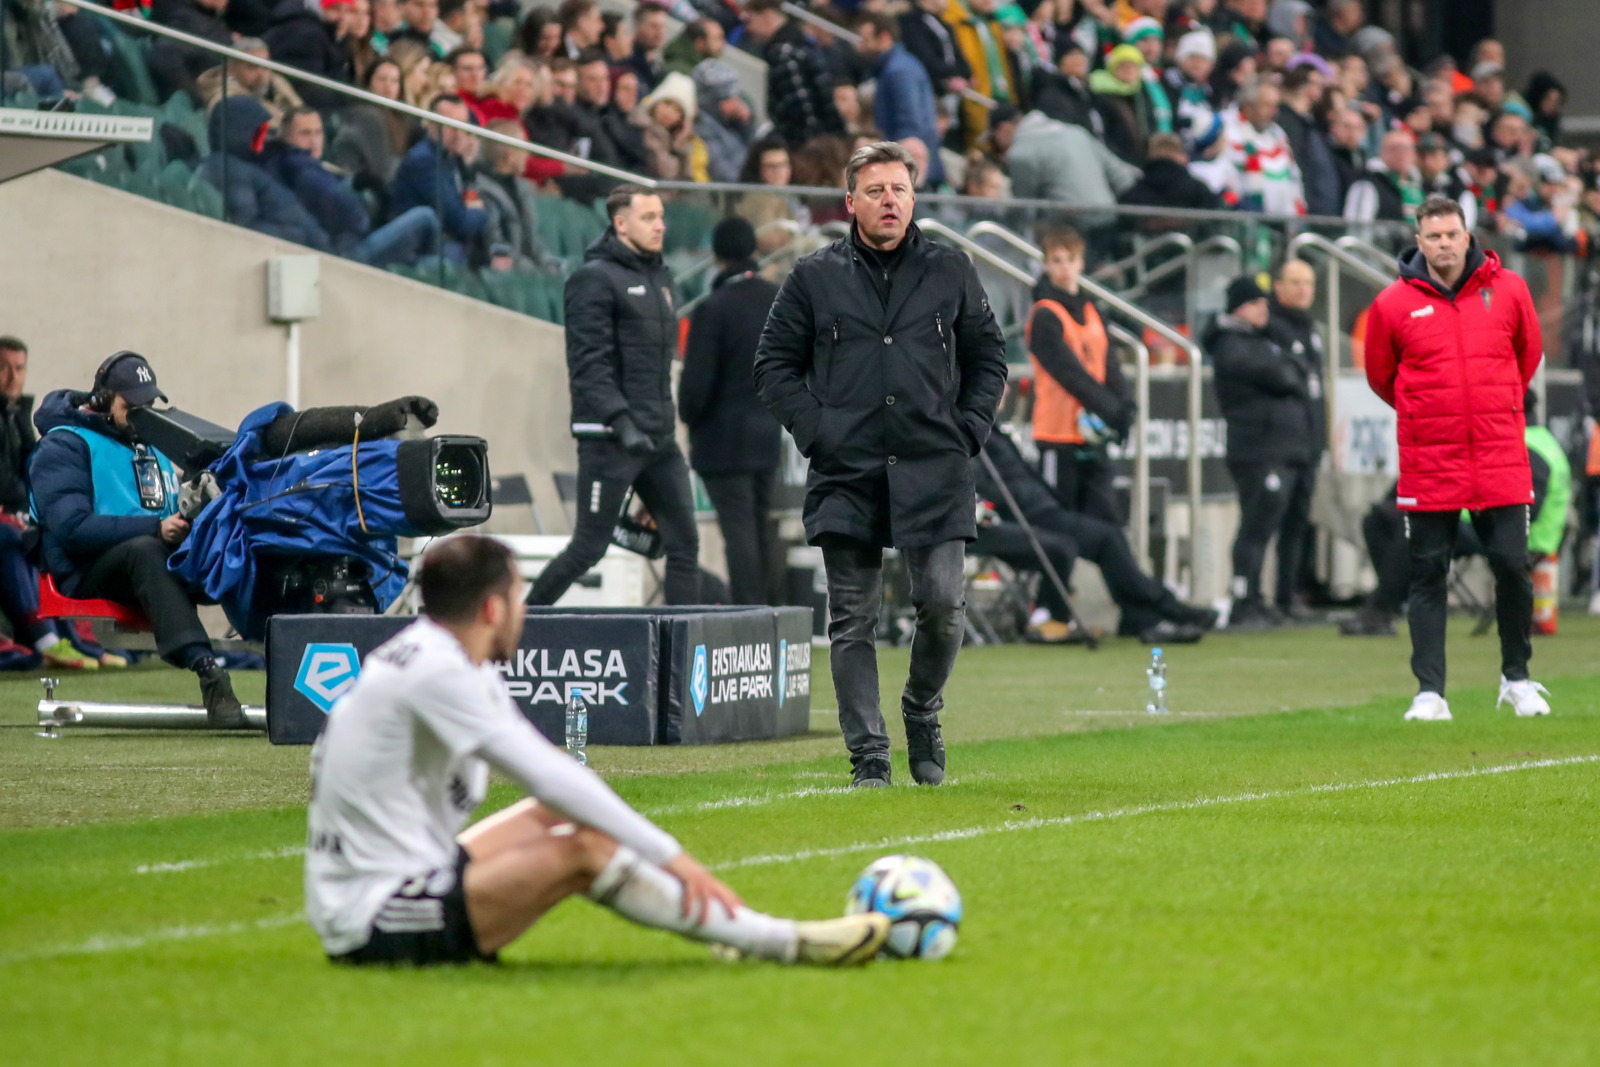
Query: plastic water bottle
x: 1155, y: 702
x: 577, y: 728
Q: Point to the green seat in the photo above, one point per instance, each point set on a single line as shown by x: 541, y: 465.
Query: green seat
x: 143, y: 180
x: 177, y: 108
x: 498, y: 35
x: 151, y: 153
x: 504, y: 288
x: 469, y: 283
x: 128, y: 75
x: 689, y: 226
x: 207, y: 198
x: 173, y: 184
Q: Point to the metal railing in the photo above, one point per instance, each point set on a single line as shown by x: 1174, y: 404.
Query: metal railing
x: 1123, y: 303
x: 362, y: 95
x: 1337, y: 257
x: 1141, y: 468
x: 1375, y: 256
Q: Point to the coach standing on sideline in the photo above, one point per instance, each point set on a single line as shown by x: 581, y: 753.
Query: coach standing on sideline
x: 622, y: 335
x: 882, y: 358
x: 1452, y: 346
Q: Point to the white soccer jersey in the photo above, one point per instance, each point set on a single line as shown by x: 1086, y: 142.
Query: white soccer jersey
x: 401, y: 767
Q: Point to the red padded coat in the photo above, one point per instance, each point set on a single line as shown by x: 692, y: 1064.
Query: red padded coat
x: 1455, y: 371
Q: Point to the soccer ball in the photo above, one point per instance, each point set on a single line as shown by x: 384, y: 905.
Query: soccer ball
x: 922, y: 903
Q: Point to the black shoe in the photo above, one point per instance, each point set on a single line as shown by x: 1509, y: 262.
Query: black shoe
x: 1167, y: 632
x: 872, y: 772
x: 1368, y: 622
x: 1194, y: 615
x: 223, y: 710
x: 925, y: 751
x: 1251, y: 616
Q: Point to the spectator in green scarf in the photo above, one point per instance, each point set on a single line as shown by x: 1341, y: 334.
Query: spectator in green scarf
x: 1133, y: 107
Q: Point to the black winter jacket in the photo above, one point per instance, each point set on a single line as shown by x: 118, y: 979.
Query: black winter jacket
x: 16, y: 445
x: 730, y: 429
x: 799, y: 96
x: 888, y: 400
x: 1168, y: 184
x: 1263, y: 395
x: 622, y: 335
x: 299, y: 37
x: 1292, y: 330
x: 63, y: 489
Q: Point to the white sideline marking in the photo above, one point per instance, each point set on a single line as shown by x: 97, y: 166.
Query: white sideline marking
x: 1145, y: 809
x: 190, y: 865
x: 179, y: 933
x: 114, y: 943
x: 755, y: 801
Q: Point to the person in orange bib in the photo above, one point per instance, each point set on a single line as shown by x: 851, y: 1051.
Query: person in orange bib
x: 1081, y: 401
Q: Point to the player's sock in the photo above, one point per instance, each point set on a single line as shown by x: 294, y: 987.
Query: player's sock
x: 649, y: 896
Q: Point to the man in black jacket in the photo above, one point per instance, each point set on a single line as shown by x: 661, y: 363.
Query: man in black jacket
x: 882, y: 358
x: 1265, y: 396
x: 622, y: 335
x: 924, y: 34
x: 1168, y: 184
x: 1150, y: 611
x: 314, y: 43
x: 799, y: 96
x: 1291, y: 329
x: 733, y: 439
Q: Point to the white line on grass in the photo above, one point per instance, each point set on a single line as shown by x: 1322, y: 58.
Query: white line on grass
x: 125, y: 943
x: 190, y: 865
x: 755, y: 801
x: 113, y: 943
x: 965, y: 833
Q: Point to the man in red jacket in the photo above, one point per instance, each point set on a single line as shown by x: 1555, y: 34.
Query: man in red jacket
x: 1452, y: 346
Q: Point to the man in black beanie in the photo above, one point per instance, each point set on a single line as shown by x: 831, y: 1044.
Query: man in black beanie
x: 733, y: 439
x: 1272, y: 442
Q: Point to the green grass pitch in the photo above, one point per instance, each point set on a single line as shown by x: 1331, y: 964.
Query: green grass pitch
x: 1282, y: 872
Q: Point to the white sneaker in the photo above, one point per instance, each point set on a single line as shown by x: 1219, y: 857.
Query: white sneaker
x: 1594, y: 604
x: 1524, y: 697
x: 1429, y: 707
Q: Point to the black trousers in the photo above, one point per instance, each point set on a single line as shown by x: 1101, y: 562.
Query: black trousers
x: 743, y: 503
x: 1503, y: 533
x: 855, y: 598
x: 1010, y: 545
x: 1142, y: 600
x: 1081, y: 478
x: 1274, y: 500
x: 661, y: 481
x: 136, y: 572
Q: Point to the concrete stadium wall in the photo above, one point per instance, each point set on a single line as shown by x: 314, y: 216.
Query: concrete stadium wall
x: 89, y: 270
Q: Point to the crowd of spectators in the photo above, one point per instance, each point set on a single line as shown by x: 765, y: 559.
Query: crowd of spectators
x: 1281, y: 107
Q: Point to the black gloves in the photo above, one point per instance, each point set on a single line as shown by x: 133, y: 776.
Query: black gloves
x: 633, y: 440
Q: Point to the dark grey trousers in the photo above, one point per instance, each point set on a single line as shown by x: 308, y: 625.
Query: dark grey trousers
x: 855, y: 598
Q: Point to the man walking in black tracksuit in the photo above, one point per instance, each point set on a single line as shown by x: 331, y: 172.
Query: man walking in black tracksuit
x: 1266, y: 398
x: 882, y: 358
x: 622, y: 332
x: 734, y: 442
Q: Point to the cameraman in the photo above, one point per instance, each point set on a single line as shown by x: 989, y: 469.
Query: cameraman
x: 622, y: 336
x: 107, y: 507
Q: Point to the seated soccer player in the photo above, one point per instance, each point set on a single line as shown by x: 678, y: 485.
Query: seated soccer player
x: 404, y: 761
